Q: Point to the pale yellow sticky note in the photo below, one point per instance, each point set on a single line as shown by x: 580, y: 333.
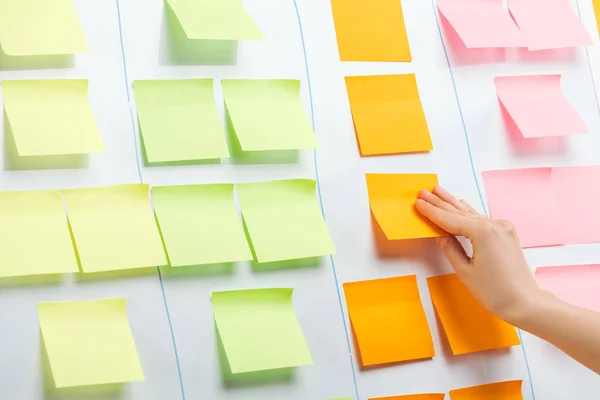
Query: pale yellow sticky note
x: 40, y: 27
x: 34, y: 235
x: 114, y: 228
x: 89, y: 342
x: 51, y: 117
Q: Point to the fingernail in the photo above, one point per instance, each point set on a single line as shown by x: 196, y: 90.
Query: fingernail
x: 420, y: 201
x: 441, y: 189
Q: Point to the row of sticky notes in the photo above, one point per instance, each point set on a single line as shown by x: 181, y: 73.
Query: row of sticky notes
x: 51, y: 27
x: 179, y: 120
x: 90, y: 342
x: 388, y: 114
x: 509, y: 390
x: 390, y: 326
x: 548, y: 206
x: 113, y: 227
x: 536, y: 25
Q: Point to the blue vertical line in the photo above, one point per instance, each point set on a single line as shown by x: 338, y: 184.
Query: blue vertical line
x: 464, y: 125
x: 589, y: 61
x: 316, y: 164
x: 139, y: 170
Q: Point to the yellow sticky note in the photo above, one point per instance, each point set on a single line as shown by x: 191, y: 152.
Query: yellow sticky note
x: 114, y: 228
x: 34, y: 234
x: 388, y: 115
x: 597, y: 12
x: 89, y: 342
x: 429, y: 396
x: 370, y: 30
x: 511, y: 390
x: 468, y: 326
x: 51, y: 117
x: 392, y: 198
x: 388, y: 320
x: 40, y: 27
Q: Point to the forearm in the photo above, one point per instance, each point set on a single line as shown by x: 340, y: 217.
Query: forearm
x: 574, y: 330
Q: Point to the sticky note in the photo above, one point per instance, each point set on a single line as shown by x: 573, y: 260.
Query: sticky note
x: 89, y: 342
x: 34, y: 234
x: 430, y: 396
x: 64, y: 122
x: 114, y: 228
x: 370, y: 30
x: 40, y: 28
x: 179, y: 120
x: 268, y: 114
x: 468, y: 326
x: 525, y: 197
x: 392, y: 198
x: 596, y: 4
x: 481, y: 24
x: 200, y: 224
x: 510, y: 390
x: 550, y: 24
x: 388, y: 320
x: 215, y: 19
x: 575, y: 284
x: 284, y: 220
x: 388, y: 115
x: 537, y: 105
x: 259, y: 330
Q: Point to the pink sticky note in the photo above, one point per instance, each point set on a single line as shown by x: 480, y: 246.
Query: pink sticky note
x: 578, y: 195
x: 525, y: 198
x: 575, y: 284
x: 548, y: 24
x: 537, y: 105
x: 481, y: 24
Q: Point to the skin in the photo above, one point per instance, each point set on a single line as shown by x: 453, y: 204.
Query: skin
x: 500, y: 279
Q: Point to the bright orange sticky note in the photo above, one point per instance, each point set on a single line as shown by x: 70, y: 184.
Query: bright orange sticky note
x: 430, y: 396
x: 468, y: 326
x: 388, y: 115
x: 392, y: 198
x: 388, y: 320
x: 597, y: 12
x: 370, y: 30
x: 510, y: 390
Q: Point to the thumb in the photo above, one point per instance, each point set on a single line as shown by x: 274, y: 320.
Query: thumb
x: 454, y: 252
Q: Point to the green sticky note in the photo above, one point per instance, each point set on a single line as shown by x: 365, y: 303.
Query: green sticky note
x: 283, y: 220
x: 215, y: 19
x: 268, y: 114
x: 259, y: 330
x: 179, y: 120
x: 40, y: 27
x: 51, y: 117
x: 114, y: 228
x: 200, y: 224
x: 89, y: 342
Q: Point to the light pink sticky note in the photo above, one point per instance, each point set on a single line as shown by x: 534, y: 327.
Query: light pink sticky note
x: 525, y: 198
x: 537, y: 105
x: 481, y: 24
x: 549, y: 24
x: 575, y: 284
x: 578, y: 195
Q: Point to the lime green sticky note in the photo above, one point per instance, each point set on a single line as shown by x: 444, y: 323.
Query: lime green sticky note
x: 179, y: 120
x: 52, y: 117
x: 259, y: 330
x: 215, y: 19
x: 268, y: 114
x: 34, y: 234
x: 114, y: 228
x: 200, y: 224
x: 89, y: 342
x: 283, y: 220
x: 40, y: 27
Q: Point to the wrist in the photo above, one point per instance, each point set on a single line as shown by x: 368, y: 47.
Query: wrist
x: 526, y: 308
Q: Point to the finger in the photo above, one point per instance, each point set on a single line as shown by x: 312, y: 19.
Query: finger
x: 452, y: 222
x: 436, y: 201
x: 469, y: 207
x: 455, y: 253
x: 450, y: 199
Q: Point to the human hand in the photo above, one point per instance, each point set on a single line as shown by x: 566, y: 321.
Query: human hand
x: 497, y: 274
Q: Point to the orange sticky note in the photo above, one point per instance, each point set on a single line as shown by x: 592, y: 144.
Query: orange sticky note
x: 388, y: 320
x: 430, y: 396
x: 388, y: 115
x: 597, y: 12
x: 510, y: 390
x: 468, y: 326
x: 370, y: 30
x: 392, y: 198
